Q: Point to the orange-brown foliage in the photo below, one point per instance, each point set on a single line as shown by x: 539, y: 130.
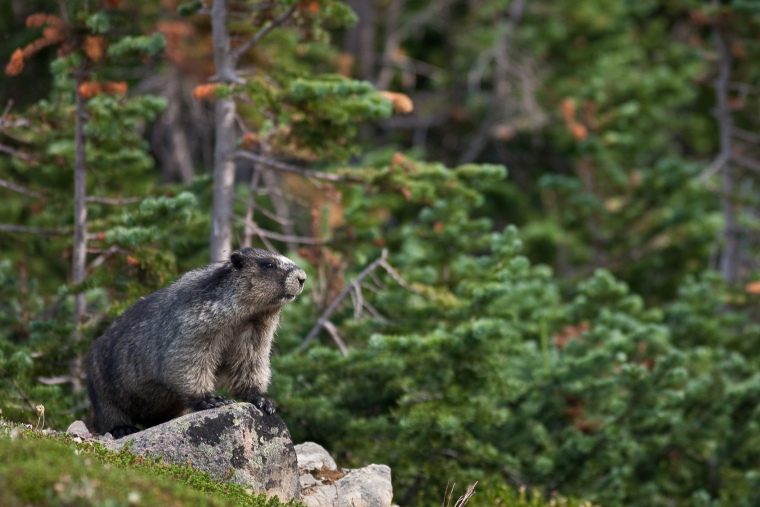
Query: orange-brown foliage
x: 579, y: 131
x: 568, y: 110
x: 204, y: 91
x: 401, y: 103
x: 40, y: 18
x: 115, y: 87
x: 50, y: 35
x: 250, y: 140
x: 16, y: 65
x: 95, y: 47
x: 309, y: 5
x: 89, y: 89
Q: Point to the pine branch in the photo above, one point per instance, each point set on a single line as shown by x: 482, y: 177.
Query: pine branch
x: 18, y: 188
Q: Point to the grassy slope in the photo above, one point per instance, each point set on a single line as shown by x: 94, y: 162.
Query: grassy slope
x: 42, y: 470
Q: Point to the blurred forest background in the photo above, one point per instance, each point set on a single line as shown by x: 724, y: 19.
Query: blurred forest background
x: 531, y: 227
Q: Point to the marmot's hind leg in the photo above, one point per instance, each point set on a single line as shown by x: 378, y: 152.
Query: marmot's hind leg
x: 109, y: 419
x: 123, y: 431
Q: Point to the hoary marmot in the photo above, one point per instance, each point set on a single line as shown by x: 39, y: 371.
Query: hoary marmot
x: 170, y: 350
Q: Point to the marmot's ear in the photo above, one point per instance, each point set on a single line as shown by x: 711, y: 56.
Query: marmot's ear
x: 238, y: 260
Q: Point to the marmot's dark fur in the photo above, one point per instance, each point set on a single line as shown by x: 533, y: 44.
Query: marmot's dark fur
x: 170, y: 350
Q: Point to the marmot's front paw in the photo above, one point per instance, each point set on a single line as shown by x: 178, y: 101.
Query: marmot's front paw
x: 122, y: 431
x: 264, y: 404
x: 213, y: 402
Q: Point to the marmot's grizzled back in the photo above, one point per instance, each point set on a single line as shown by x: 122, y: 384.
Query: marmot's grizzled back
x: 171, y: 349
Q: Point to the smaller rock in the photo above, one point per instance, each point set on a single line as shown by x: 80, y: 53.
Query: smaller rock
x: 323, y: 485
x: 79, y: 429
x: 313, y: 456
x: 308, y: 480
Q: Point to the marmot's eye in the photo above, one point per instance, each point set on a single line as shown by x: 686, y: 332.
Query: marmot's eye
x: 266, y: 265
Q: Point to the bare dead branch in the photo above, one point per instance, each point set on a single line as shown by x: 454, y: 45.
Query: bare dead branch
x: 333, y: 330
x: 375, y: 314
x: 40, y: 231
x: 394, y: 274
x: 280, y: 237
x: 16, y: 153
x: 113, y: 201
x: 747, y: 162
x: 713, y: 168
x: 53, y: 381
x: 100, y: 259
x: 358, y: 299
x: 23, y: 395
x: 338, y: 300
x: 267, y: 213
x: 7, y: 109
x: 256, y: 38
x: 745, y: 135
x: 281, y: 166
x: 21, y: 190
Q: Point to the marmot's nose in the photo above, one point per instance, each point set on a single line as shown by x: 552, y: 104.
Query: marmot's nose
x: 301, y: 276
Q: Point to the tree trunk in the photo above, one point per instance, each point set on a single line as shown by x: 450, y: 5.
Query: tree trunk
x: 224, y: 164
x: 181, y: 159
x: 360, y: 39
x: 729, y: 259
x: 79, y: 252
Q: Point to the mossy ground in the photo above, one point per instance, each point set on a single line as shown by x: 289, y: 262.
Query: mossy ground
x: 45, y: 470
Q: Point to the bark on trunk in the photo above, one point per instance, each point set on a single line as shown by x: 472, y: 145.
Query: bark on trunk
x: 79, y: 253
x: 729, y: 259
x: 182, y: 160
x: 224, y: 164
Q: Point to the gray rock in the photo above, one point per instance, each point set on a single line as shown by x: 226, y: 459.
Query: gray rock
x: 364, y: 487
x: 323, y: 485
x: 256, y: 446
x: 78, y: 429
x: 313, y: 456
x: 308, y: 480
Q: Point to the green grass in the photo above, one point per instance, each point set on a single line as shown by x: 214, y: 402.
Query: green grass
x: 43, y: 470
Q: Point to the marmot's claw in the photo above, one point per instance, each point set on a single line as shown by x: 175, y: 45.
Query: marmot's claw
x: 213, y: 402
x: 123, y: 431
x: 264, y: 404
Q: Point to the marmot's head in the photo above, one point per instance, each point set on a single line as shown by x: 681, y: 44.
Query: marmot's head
x: 267, y: 279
